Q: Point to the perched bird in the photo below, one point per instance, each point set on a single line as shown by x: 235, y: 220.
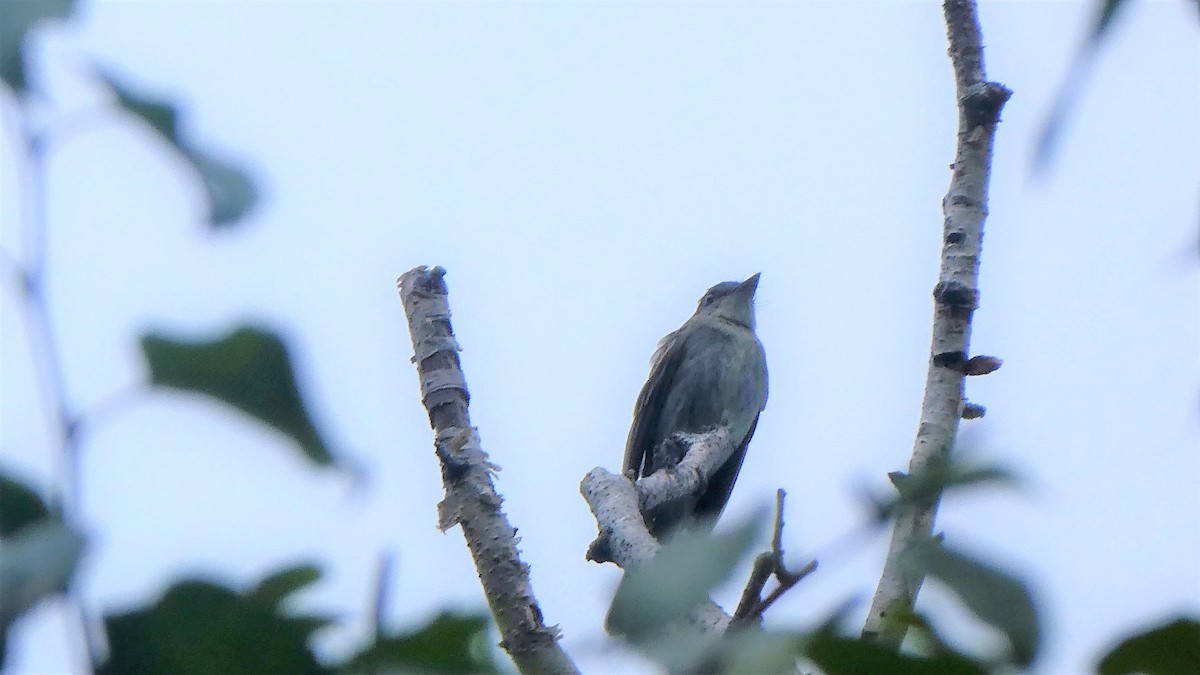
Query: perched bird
x: 711, y: 372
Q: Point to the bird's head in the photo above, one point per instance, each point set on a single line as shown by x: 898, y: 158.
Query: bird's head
x: 731, y: 301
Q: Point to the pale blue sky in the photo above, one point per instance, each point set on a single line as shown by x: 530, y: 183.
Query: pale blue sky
x: 585, y: 172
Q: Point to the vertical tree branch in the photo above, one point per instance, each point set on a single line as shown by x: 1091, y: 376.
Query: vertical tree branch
x: 471, y: 499
x: 956, y: 296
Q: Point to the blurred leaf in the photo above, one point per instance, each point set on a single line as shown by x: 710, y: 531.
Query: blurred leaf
x: 682, y: 649
x: 199, y: 627
x: 229, y: 192
x: 20, y: 505
x: 678, y: 579
x: 450, y: 643
x: 759, y: 651
x: 159, y: 114
x: 1104, y: 17
x: 17, y: 17
x: 858, y: 656
x: 993, y: 596
x: 273, y: 590
x: 250, y: 369
x: 938, y: 476
x: 1170, y: 649
x: 1077, y: 74
x: 35, y: 563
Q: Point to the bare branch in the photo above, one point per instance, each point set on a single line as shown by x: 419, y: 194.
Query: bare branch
x: 471, y: 499
x: 619, y: 512
x: 955, y: 298
x: 618, y: 502
x: 752, y: 606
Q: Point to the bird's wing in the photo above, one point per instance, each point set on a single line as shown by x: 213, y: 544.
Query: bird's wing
x: 663, y: 366
x: 716, y: 495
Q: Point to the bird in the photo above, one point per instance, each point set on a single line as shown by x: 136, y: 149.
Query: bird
x: 711, y: 372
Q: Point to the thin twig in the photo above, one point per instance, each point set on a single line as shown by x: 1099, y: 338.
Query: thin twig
x: 752, y: 605
x: 760, y: 574
x: 379, y: 597
x: 471, y: 498
x: 46, y: 357
x: 955, y: 299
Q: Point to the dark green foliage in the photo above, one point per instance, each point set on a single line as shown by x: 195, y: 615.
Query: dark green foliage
x: 38, y: 554
x: 857, y: 656
x: 199, y: 627
x: 17, y: 17
x: 249, y: 369
x: 450, y: 643
x: 35, y: 563
x: 995, y: 597
x: 20, y: 505
x: 1170, y: 649
x: 274, y: 589
x: 229, y: 192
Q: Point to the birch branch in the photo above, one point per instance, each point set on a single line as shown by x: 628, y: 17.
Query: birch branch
x: 618, y: 502
x: 624, y: 538
x: 956, y: 296
x: 471, y: 499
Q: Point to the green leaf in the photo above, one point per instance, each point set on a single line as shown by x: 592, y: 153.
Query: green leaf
x: 678, y: 579
x: 20, y: 505
x: 199, y: 627
x: 249, y: 369
x: 858, y: 656
x: 35, y: 563
x: 1170, y: 649
x: 450, y: 643
x: 158, y: 113
x: 274, y: 589
x: 995, y: 597
x: 759, y: 651
x: 17, y: 17
x: 229, y: 192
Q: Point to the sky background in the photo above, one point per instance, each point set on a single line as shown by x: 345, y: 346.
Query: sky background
x: 584, y: 172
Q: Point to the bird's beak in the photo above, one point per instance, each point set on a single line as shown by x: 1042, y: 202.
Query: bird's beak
x: 750, y: 285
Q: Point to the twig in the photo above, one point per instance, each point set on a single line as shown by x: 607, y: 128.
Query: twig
x: 45, y: 354
x: 379, y: 597
x: 752, y: 605
x: 956, y: 296
x: 471, y: 499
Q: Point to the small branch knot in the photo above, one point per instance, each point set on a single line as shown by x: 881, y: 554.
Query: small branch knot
x: 983, y: 101
x: 956, y: 295
x: 972, y: 411
x: 952, y: 360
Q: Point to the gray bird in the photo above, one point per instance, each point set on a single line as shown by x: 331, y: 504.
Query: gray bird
x: 710, y: 372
